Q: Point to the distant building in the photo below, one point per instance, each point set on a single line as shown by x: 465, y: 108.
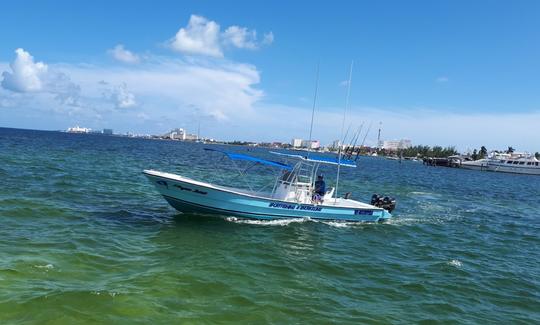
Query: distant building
x: 394, y: 145
x: 108, y: 131
x: 177, y: 134
x: 182, y: 135
x: 315, y: 144
x: 296, y: 143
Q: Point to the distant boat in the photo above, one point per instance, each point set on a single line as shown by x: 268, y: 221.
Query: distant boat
x: 292, y: 195
x: 480, y: 164
x: 516, y: 163
x: 77, y: 129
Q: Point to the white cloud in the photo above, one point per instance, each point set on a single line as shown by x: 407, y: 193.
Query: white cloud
x: 442, y: 79
x: 204, y: 37
x: 123, y: 98
x: 268, y: 38
x: 65, y: 91
x: 38, y: 79
x: 26, y: 76
x: 201, y: 36
x: 422, y: 126
x: 163, y: 89
x: 123, y: 55
x: 240, y: 37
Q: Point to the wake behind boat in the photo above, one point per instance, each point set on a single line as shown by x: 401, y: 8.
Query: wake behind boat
x: 295, y: 193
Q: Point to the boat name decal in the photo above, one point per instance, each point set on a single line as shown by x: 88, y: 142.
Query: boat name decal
x: 294, y: 206
x: 163, y: 183
x: 190, y: 190
x: 363, y: 212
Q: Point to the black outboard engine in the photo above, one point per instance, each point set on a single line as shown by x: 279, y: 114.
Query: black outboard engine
x: 387, y: 203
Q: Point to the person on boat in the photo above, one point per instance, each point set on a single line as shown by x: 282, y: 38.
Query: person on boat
x: 320, y: 189
x: 287, y: 176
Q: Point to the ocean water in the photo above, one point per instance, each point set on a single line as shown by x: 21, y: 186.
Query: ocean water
x: 85, y: 238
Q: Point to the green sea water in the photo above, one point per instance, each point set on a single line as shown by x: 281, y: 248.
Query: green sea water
x: 85, y: 239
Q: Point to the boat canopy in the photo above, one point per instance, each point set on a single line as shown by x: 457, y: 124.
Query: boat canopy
x: 319, y: 159
x: 239, y: 156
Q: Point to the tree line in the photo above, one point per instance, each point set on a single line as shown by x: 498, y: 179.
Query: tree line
x: 424, y: 152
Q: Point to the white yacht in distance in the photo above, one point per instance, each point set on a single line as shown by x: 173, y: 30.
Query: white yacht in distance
x: 480, y: 164
x: 517, y: 163
x: 78, y: 129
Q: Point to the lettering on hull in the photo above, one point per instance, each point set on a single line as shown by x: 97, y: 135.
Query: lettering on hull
x: 288, y: 206
x: 363, y: 212
x: 182, y: 188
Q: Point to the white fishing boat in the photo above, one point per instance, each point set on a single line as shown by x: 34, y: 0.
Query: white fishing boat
x: 292, y: 195
x: 295, y: 192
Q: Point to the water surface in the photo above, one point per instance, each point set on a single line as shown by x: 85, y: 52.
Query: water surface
x: 85, y: 238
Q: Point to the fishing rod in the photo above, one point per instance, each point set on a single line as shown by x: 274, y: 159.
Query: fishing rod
x: 313, y: 110
x: 342, y: 127
x: 349, y: 154
x: 345, y: 138
x: 363, y: 141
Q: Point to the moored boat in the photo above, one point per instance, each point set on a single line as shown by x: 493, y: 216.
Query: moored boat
x: 516, y: 163
x: 480, y: 164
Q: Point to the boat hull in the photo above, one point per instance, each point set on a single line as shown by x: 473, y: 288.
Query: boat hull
x: 514, y: 169
x: 190, y: 196
x: 475, y: 165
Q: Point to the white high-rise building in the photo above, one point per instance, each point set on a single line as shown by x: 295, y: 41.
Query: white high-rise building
x: 396, y: 144
x: 296, y: 143
x: 315, y: 144
x: 178, y: 134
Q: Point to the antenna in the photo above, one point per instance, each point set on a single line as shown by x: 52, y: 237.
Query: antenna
x: 342, y: 127
x: 379, y: 137
x: 313, y: 110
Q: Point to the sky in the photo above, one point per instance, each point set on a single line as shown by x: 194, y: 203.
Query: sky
x: 450, y: 73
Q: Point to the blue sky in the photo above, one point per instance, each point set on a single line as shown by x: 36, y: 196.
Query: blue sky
x: 462, y: 73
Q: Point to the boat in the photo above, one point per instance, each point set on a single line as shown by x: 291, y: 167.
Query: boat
x: 292, y: 194
x: 480, y: 164
x: 517, y: 163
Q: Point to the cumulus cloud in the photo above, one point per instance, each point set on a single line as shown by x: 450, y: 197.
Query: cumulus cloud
x: 123, y: 55
x: 204, y: 37
x: 66, y: 91
x: 268, y: 38
x: 124, y: 98
x: 200, y: 36
x: 26, y: 75
x: 240, y: 37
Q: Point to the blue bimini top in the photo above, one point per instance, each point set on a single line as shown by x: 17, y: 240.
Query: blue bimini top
x: 239, y: 156
x: 320, y: 159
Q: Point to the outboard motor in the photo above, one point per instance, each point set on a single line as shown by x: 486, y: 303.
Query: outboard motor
x: 387, y: 203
